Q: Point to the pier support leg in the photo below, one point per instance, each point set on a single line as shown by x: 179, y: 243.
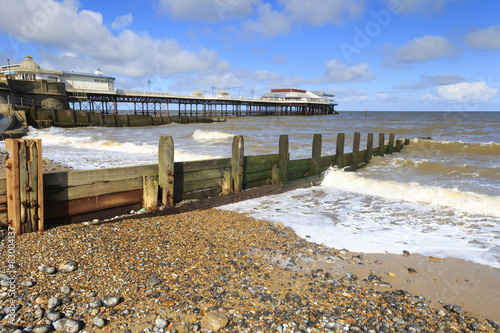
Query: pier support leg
x: 381, y: 144
x: 369, y: 147
x: 355, y: 150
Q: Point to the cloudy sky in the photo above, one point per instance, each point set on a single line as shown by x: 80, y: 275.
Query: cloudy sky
x: 373, y: 54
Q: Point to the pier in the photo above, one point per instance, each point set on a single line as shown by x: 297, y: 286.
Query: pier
x: 160, y: 103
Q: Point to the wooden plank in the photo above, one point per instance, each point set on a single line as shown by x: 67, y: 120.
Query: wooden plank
x: 201, y: 185
x: 88, y: 177
x: 340, y: 150
x: 257, y: 183
x: 219, y: 163
x: 300, y: 163
x: 150, y: 193
x: 23, y: 186
x: 12, y: 177
x: 237, y: 163
x: 81, y: 206
x: 3, y: 186
x: 258, y: 175
x: 284, y: 157
x: 91, y: 190
x: 275, y: 175
x: 204, y: 174
x: 316, y: 153
x: 40, y: 197
x: 34, y: 185
x: 262, y: 159
x: 300, y: 168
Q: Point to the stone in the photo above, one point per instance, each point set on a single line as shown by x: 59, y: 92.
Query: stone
x: 65, y: 289
x: 153, y: 281
x: 110, y: 301
x: 99, y: 322
x: 67, y: 325
x: 161, y: 323
x: 214, y: 321
x: 53, y: 315
x: 45, y: 328
x: 95, y: 304
x: 293, y: 297
x: 454, y: 308
x: 8, y: 328
x: 4, y: 277
x: 28, y: 283
x: 53, y: 302
x: 68, y: 266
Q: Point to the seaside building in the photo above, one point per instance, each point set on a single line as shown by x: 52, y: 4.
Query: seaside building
x: 28, y: 69
x: 299, y: 95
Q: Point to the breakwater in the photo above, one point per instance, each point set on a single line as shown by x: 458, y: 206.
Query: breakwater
x: 77, y: 196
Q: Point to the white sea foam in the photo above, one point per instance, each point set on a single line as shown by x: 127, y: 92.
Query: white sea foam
x: 466, y: 202
x: 211, y: 136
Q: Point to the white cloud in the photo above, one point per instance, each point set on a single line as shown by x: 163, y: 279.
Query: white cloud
x: 84, y: 35
x: 208, y: 10
x: 337, y: 71
x: 122, y: 22
x: 269, y: 22
x: 465, y: 92
x: 419, y: 6
x: 487, y: 39
x: 428, y: 81
x: 319, y: 12
x: 426, y: 48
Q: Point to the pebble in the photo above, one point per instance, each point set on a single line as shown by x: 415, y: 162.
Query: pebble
x: 218, y: 271
x: 44, y: 328
x: 99, y: 322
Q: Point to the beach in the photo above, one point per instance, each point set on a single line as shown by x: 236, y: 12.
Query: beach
x: 227, y: 272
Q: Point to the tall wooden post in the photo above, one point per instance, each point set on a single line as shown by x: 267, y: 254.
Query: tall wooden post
x: 381, y: 144
x: 316, y: 153
x: 237, y: 161
x: 166, y: 170
x: 355, y: 149
x: 283, y: 157
x: 340, y: 150
x: 24, y: 180
x: 369, y: 147
x: 390, y: 149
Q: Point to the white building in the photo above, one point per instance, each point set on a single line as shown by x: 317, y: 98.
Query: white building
x: 28, y: 69
x: 299, y: 95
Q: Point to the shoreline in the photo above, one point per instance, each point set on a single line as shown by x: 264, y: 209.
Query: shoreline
x: 189, y: 269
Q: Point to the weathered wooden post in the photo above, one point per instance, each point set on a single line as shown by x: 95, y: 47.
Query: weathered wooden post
x: 237, y: 161
x: 166, y: 170
x: 399, y: 145
x: 369, y: 147
x: 381, y: 144
x: 24, y: 180
x: 390, y: 148
x: 355, y: 149
x: 150, y: 193
x: 316, y: 153
x: 283, y: 157
x: 407, y: 142
x: 340, y: 150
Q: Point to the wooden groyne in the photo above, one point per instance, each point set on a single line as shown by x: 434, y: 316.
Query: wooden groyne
x: 32, y: 199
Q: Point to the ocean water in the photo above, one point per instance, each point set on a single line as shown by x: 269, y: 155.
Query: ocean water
x: 438, y: 197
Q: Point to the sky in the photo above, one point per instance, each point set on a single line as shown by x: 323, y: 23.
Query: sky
x: 395, y: 55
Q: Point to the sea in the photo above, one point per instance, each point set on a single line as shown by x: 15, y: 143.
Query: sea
x: 440, y: 196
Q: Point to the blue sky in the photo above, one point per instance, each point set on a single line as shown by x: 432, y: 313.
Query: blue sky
x: 407, y: 55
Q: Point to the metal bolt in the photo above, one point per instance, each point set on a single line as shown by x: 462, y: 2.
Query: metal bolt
x: 34, y: 203
x: 9, y: 166
x: 27, y: 188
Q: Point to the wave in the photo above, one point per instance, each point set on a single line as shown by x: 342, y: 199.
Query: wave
x: 207, y: 136
x: 455, y: 147
x: 87, y: 142
x: 465, y: 202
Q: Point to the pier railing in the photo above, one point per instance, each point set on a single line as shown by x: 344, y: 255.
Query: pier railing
x: 30, y: 199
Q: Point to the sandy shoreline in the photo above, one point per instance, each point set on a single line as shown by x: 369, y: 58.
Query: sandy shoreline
x: 249, y: 272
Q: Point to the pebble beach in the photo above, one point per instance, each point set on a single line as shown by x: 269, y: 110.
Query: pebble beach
x: 220, y: 271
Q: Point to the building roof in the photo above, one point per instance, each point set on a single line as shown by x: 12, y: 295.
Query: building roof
x: 28, y: 64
